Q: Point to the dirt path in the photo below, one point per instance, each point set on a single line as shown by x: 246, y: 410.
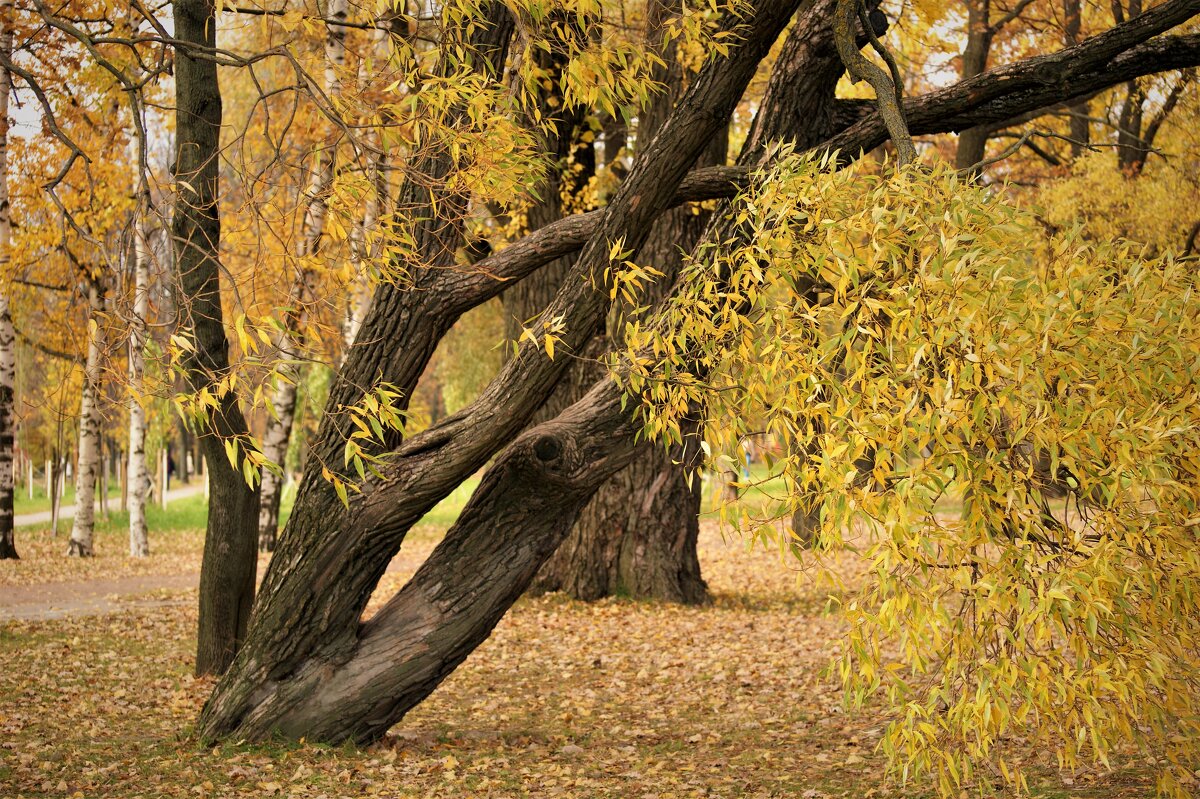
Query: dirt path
x: 56, y: 600
x: 68, y: 511
x: 90, y: 597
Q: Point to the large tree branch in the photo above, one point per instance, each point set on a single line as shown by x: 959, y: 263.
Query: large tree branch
x: 949, y: 110
x: 1115, y: 56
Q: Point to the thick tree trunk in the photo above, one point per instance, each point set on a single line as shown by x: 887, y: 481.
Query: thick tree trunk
x: 83, y: 526
x: 310, y: 665
x: 138, y: 481
x: 279, y: 424
x: 8, y: 546
x: 637, y: 537
x: 227, y: 569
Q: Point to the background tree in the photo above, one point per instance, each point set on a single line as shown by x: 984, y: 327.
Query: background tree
x: 227, y: 571
x: 8, y: 548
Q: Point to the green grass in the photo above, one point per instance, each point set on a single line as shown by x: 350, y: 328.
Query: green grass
x: 189, y: 513
x: 41, y: 500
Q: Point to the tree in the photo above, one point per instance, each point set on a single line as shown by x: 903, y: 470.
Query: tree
x: 230, y: 543
x: 137, y: 475
x: 309, y: 665
x: 88, y: 461
x: 8, y: 548
x: 638, y: 534
x: 283, y: 403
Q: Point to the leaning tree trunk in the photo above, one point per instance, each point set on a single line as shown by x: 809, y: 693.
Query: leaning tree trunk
x: 311, y: 666
x: 280, y: 423
x: 8, y: 547
x: 308, y: 630
x: 88, y: 462
x: 138, y: 481
x: 227, y: 569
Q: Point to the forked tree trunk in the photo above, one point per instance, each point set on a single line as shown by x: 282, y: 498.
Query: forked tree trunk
x: 227, y: 569
x: 138, y: 482
x: 88, y: 463
x: 283, y: 401
x: 311, y: 666
x: 8, y: 546
x: 307, y: 635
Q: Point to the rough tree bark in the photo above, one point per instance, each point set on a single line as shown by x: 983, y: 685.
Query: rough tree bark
x: 88, y: 461
x: 981, y: 33
x: 138, y: 479
x: 307, y: 628
x: 637, y: 536
x: 972, y: 143
x: 1080, y: 129
x: 310, y: 665
x: 227, y: 569
x: 8, y: 363
x: 279, y: 425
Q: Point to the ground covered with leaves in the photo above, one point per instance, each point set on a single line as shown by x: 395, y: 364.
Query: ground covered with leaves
x: 612, y: 699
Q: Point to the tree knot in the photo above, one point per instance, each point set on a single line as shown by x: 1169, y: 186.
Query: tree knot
x: 547, y: 448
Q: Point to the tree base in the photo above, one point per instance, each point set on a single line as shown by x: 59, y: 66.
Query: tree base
x: 78, y: 549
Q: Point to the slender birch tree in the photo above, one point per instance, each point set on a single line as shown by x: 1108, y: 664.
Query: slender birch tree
x: 283, y: 401
x: 8, y: 547
x: 88, y: 462
x: 138, y: 482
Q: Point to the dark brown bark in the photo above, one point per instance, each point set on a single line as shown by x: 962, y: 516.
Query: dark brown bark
x: 972, y: 142
x: 330, y: 559
x: 1004, y: 93
x: 1080, y: 130
x: 227, y: 570
x: 310, y: 666
x: 562, y: 143
x: 637, y: 537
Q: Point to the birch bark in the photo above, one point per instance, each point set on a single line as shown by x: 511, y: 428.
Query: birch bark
x: 283, y: 400
x: 8, y: 548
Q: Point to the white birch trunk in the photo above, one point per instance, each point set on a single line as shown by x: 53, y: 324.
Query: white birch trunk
x: 358, y: 293
x: 8, y: 548
x: 279, y: 425
x: 83, y: 528
x: 138, y: 479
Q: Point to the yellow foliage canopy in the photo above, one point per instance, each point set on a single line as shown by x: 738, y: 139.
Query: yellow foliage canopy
x: 1005, y: 423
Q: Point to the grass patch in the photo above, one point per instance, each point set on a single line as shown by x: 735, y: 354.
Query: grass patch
x: 40, y: 501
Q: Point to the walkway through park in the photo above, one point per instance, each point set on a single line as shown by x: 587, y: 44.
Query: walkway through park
x: 91, y: 597
x: 68, y: 511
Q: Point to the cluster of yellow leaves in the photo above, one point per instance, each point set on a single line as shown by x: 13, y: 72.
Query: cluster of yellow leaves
x: 378, y: 412
x: 915, y: 344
